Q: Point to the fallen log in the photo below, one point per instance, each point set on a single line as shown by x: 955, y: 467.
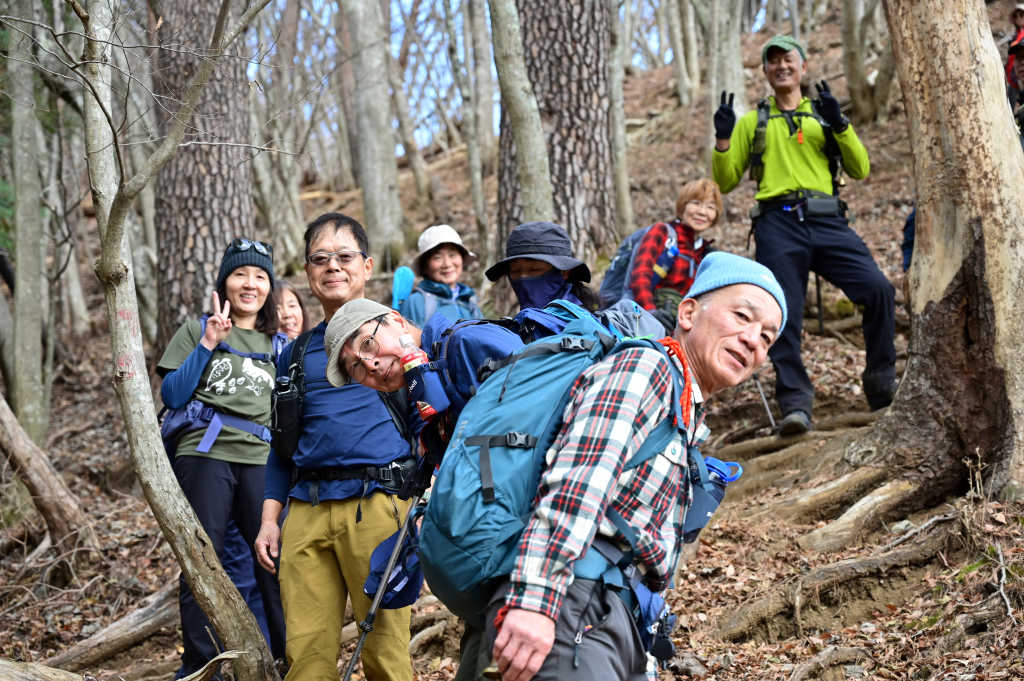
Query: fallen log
x: 154, y: 613
x: 741, y: 451
x: 30, y: 671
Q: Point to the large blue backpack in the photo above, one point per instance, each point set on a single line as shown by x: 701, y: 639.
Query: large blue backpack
x: 485, y: 489
x: 196, y: 415
x: 623, y: 320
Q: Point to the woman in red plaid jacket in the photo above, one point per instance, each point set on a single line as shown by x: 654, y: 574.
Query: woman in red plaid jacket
x: 656, y: 285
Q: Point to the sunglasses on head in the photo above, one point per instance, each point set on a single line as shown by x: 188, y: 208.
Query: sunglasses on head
x: 260, y: 246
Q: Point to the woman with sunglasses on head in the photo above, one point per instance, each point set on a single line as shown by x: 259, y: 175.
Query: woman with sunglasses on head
x: 439, y: 262
x: 292, y: 318
x: 223, y: 363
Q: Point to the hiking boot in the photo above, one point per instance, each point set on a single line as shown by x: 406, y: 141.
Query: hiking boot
x: 795, y: 423
x: 879, y: 391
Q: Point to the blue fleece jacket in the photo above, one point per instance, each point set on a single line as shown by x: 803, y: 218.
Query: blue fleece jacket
x: 346, y: 426
x: 464, y: 306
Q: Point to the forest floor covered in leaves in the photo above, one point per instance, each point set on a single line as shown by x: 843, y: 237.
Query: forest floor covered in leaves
x: 897, y: 625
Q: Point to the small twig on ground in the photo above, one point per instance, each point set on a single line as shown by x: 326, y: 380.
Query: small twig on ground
x: 829, y: 657
x: 797, y: 593
x: 1002, y: 584
x: 916, y: 531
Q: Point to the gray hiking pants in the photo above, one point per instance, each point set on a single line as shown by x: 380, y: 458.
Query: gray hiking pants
x: 610, y: 649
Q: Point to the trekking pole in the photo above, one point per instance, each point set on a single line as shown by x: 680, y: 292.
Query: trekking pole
x: 367, y: 624
x: 764, y: 400
x: 821, y: 314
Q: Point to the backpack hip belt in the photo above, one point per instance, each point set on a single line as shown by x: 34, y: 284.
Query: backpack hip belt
x: 390, y: 477
x: 197, y: 415
x: 815, y: 203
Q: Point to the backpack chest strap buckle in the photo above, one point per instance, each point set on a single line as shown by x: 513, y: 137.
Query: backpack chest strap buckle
x: 570, y: 343
x: 522, y: 440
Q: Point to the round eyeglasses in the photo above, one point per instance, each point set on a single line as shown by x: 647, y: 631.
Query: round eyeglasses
x: 368, y: 350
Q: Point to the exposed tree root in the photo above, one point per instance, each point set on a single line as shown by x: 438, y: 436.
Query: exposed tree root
x: 829, y: 657
x: 780, y: 601
x: 24, y: 533
x: 764, y: 471
x: 741, y: 451
x: 863, y: 517
x: 857, y: 419
x: 990, y: 610
x: 154, y: 613
x: 421, y: 640
x: 826, y: 500
x: 30, y: 671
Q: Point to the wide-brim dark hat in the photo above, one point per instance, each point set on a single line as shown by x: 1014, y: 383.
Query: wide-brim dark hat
x: 541, y: 241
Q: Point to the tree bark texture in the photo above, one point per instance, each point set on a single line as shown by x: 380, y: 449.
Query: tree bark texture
x: 210, y: 585
x: 963, y: 392
x: 203, y: 193
x: 730, y: 56
x: 675, y: 29
x: 347, y: 86
x: 378, y: 170
x: 617, y: 121
x: 483, y: 86
x: 7, y: 347
x: 67, y: 524
x: 29, y: 297
x: 571, y: 81
x: 689, y: 26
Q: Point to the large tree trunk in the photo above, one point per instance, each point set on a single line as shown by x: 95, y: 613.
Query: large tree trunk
x: 682, y: 73
x: 962, y: 396
x: 69, y: 529
x: 730, y: 56
x: 407, y: 129
x: 570, y: 80
x: 869, y: 101
x: 210, y: 585
x: 378, y: 170
x: 204, y: 192
x: 483, y: 86
x: 29, y: 393
x: 347, y: 86
x: 689, y: 27
x: 617, y: 121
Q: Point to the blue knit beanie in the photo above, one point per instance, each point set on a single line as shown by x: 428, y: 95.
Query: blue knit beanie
x: 720, y: 269
x: 235, y: 258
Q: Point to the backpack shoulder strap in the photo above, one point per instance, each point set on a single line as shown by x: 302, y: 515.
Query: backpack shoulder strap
x: 832, y: 151
x: 429, y: 303
x: 277, y: 344
x: 759, y: 143
x: 399, y: 409
x: 296, y: 369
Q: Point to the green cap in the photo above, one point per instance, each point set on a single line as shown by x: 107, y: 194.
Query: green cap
x: 783, y: 42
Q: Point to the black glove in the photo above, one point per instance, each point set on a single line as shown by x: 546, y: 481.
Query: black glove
x: 725, y: 118
x: 667, y: 319
x: 828, y: 107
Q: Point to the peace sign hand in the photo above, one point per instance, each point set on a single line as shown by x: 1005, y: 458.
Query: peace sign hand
x: 828, y: 107
x: 218, y: 325
x: 725, y: 118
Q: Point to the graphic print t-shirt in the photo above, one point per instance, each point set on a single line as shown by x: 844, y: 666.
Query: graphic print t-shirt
x: 233, y: 385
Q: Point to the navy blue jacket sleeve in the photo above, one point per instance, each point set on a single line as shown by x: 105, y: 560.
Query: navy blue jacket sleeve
x: 279, y: 472
x: 180, y: 384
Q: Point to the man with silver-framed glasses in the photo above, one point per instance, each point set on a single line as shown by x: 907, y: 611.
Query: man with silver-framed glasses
x: 342, y: 481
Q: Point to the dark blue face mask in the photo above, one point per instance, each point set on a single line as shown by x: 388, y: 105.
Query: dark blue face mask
x: 540, y: 290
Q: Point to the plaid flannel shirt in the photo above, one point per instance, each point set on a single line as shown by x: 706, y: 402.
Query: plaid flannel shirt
x: 650, y: 249
x: 614, y: 406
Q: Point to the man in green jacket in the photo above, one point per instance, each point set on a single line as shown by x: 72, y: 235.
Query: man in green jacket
x: 795, y: 149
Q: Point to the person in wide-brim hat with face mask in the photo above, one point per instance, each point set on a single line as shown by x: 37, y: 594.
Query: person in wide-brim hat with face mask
x: 441, y: 259
x: 540, y: 266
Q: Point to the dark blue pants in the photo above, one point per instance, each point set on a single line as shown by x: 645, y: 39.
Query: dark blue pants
x: 791, y: 248
x: 219, y: 492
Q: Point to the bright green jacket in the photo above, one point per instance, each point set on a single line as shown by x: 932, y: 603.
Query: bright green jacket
x: 788, y: 165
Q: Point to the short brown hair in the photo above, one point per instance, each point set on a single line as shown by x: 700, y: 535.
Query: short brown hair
x: 700, y: 190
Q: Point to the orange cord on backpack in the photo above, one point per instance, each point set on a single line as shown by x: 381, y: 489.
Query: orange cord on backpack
x: 673, y: 348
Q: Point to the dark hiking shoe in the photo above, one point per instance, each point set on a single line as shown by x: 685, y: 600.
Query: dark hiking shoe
x: 795, y: 423
x: 879, y: 391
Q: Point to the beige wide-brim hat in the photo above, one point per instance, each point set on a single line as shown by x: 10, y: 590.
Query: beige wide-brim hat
x: 433, y: 237
x: 344, y: 324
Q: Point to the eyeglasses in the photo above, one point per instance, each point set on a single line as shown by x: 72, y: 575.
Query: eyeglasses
x: 709, y: 206
x: 260, y: 246
x: 344, y: 258
x: 368, y: 350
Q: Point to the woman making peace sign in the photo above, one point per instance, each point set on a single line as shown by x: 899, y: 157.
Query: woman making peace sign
x: 227, y: 366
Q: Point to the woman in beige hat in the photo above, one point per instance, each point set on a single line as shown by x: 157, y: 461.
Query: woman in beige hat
x: 439, y: 262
